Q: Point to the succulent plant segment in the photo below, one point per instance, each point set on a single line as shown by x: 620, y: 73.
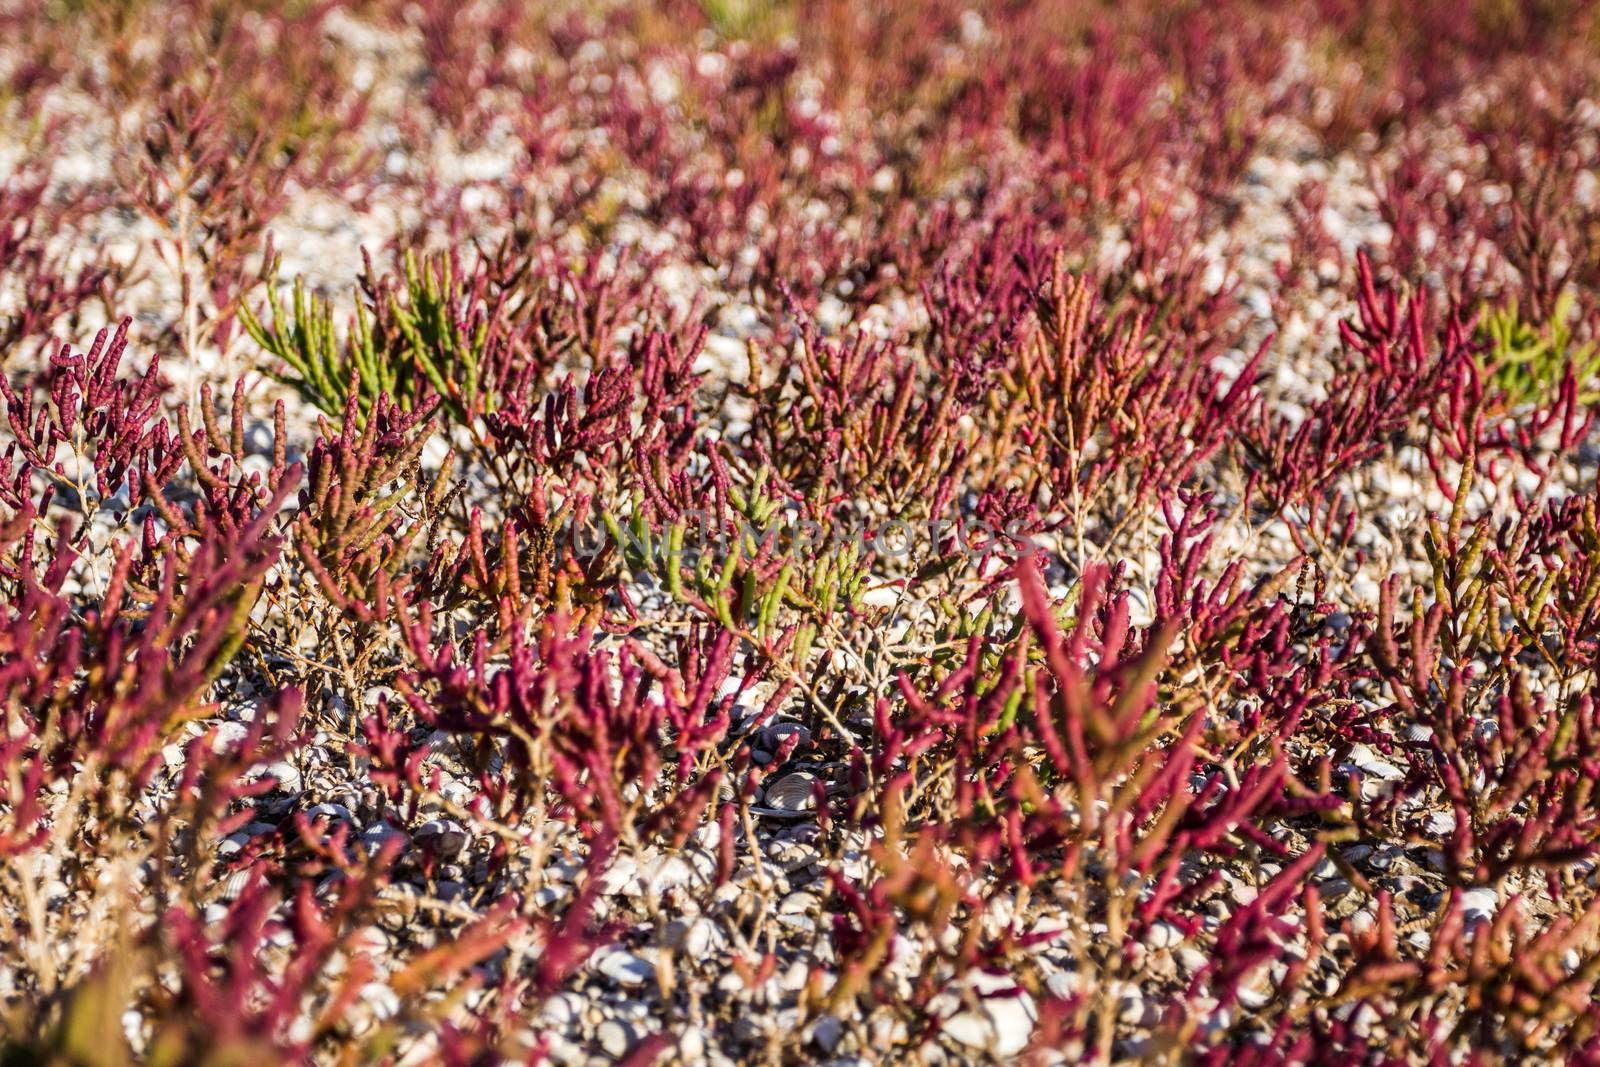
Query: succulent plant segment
x: 788, y: 531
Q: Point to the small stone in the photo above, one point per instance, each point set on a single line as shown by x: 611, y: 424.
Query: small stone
x: 697, y: 940
x: 691, y: 1044
x: 1164, y: 935
x: 1131, y: 1007
x: 561, y: 1051
x: 795, y: 976
x: 826, y: 1033
x: 1063, y: 984
x: 626, y: 968
x: 563, y: 1009
x: 547, y: 895
x: 970, y: 1028
x: 1253, y: 997
x: 1480, y: 904
x: 613, y: 1038
x: 621, y: 878
x: 1002, y: 1025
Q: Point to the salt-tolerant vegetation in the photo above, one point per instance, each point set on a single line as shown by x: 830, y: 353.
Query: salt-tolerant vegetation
x: 787, y: 531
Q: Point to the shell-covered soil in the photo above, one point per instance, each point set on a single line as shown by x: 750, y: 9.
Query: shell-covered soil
x: 790, y: 531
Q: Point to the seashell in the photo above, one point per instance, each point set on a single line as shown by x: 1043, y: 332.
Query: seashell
x: 445, y: 836
x: 797, y: 903
x: 792, y: 792
x: 385, y: 1004
x: 777, y: 733
x: 236, y: 884
x: 1164, y: 935
x: 330, y: 811
x: 228, y: 736
x: 791, y: 856
x: 286, y: 777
